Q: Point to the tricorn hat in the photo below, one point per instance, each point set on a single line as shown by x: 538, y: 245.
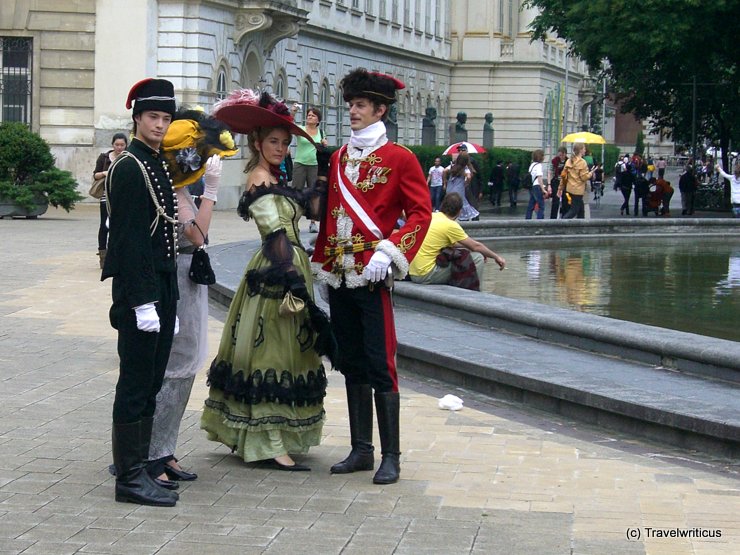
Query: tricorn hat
x: 245, y: 110
x: 152, y: 94
x: 192, y: 138
x: 361, y: 83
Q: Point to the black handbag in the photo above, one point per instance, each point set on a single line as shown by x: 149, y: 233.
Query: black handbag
x: 200, y: 266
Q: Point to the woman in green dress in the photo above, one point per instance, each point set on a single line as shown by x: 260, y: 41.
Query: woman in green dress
x: 267, y: 383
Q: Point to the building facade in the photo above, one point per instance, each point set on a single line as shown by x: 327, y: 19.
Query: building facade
x: 68, y: 66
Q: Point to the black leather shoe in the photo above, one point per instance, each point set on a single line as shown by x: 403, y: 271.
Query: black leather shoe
x: 166, y: 484
x: 358, y: 459
x: 179, y: 475
x: 289, y: 468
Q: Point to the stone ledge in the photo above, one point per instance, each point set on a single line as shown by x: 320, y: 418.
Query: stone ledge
x: 686, y: 352
x: 497, y: 228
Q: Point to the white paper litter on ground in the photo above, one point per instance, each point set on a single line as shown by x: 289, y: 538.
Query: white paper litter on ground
x: 450, y: 402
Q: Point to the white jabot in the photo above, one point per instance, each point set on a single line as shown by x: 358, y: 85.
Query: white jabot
x: 372, y: 135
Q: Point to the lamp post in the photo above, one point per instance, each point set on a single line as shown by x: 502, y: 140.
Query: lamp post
x: 603, y: 116
x: 565, y: 102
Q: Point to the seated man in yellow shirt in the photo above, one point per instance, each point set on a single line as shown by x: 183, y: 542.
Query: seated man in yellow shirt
x: 445, y: 232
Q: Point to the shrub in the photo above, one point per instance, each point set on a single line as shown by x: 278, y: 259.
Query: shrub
x: 486, y: 160
x: 27, y: 170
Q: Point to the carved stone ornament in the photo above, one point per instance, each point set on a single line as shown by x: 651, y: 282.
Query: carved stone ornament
x: 273, y: 20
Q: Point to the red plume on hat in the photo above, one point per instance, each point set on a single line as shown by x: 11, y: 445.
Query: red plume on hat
x: 245, y: 110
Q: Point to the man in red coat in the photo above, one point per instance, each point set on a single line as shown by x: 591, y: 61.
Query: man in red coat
x: 372, y: 182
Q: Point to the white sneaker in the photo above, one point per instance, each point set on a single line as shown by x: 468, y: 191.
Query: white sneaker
x: 313, y: 228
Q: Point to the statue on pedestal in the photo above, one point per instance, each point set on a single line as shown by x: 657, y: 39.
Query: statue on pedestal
x: 488, y: 130
x: 391, y: 123
x: 458, y: 132
x: 428, y: 127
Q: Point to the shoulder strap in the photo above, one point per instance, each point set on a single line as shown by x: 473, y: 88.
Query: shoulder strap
x: 157, y: 207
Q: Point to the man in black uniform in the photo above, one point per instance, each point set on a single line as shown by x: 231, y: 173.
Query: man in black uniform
x: 141, y: 260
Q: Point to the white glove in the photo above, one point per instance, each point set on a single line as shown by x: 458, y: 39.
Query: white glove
x: 147, y: 318
x: 377, y: 267
x: 177, y: 325
x: 212, y: 177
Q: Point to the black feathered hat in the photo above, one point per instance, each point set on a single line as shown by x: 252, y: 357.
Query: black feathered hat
x: 152, y: 94
x: 361, y: 83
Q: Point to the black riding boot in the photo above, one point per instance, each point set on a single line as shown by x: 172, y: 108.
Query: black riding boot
x: 388, y: 407
x: 133, y: 483
x: 360, y: 407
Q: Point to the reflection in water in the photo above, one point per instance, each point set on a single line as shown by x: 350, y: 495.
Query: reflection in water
x: 732, y: 281
x: 685, y: 283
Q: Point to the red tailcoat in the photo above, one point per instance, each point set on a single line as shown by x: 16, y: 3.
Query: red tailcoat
x: 391, y: 182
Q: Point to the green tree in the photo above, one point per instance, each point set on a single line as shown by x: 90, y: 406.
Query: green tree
x: 640, y: 143
x: 652, y: 52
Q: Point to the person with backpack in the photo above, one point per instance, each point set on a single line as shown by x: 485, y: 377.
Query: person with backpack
x: 536, y: 183
x: 625, y: 183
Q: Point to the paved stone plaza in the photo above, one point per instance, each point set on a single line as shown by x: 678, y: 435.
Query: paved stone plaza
x: 493, y: 478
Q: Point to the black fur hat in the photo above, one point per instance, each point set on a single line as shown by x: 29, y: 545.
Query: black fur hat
x: 152, y: 94
x: 378, y: 87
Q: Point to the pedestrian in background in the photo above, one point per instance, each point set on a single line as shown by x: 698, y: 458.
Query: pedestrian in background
x: 625, y: 180
x: 435, y: 183
x: 557, y: 164
x: 457, y: 180
x: 305, y: 164
x: 687, y: 185
x: 734, y: 186
x: 119, y: 143
x: 497, y: 183
x: 578, y: 175
x: 538, y: 191
x: 661, y: 165
x: 512, y: 181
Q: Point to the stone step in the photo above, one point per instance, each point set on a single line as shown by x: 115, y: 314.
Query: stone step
x: 641, y: 399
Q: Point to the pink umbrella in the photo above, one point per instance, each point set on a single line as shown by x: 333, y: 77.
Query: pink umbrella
x: 472, y: 148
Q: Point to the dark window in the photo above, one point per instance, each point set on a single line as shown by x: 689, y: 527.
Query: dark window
x: 16, y: 82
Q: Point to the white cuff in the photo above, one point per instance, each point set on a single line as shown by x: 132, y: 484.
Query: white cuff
x: 399, y: 263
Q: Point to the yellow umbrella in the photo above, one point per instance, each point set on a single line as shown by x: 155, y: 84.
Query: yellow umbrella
x: 584, y: 137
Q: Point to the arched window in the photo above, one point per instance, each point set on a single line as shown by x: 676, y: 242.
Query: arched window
x: 221, y: 84
x: 407, y: 125
x: 279, y: 87
x: 340, y: 111
x: 324, y: 100
x: 307, y: 96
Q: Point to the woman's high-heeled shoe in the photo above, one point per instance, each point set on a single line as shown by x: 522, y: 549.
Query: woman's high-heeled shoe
x: 295, y: 467
x: 179, y: 475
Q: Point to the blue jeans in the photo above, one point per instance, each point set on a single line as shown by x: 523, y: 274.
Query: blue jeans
x: 536, y: 197
x: 437, y: 194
